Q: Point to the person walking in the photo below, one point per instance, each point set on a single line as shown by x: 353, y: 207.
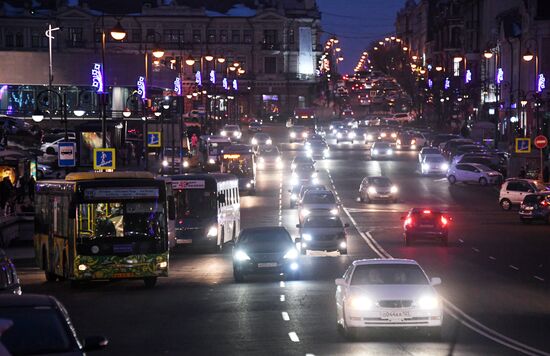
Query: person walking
x: 194, y: 143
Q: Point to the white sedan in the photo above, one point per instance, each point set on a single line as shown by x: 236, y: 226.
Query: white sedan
x: 426, y: 151
x: 387, y: 293
x: 473, y: 172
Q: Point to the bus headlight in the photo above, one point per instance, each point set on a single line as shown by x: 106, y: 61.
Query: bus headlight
x: 211, y: 161
x: 82, y: 267
x: 213, y: 231
x: 293, y: 135
x: 269, y: 142
x: 223, y: 133
x: 163, y: 264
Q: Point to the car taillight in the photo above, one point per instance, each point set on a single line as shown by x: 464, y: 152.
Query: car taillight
x: 544, y: 203
x: 408, y: 222
x: 444, y: 221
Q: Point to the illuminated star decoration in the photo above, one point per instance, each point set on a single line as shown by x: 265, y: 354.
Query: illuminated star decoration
x: 198, y: 78
x: 541, y: 83
x: 97, y: 77
x: 468, y: 76
x: 213, y: 76
x: 141, y: 87
x: 500, y: 75
x: 447, y: 83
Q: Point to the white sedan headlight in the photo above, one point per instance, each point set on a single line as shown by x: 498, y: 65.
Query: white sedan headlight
x: 236, y: 134
x: 393, y: 189
x: 369, y: 137
x: 360, y: 303
x: 254, y: 141
x: 304, y: 134
x: 429, y: 302
x: 351, y: 135
x: 213, y: 231
x: 314, y: 175
x: 241, y: 256
x: 371, y: 190
x: 306, y: 237
x: 445, y: 166
x: 268, y: 142
x: 334, y: 211
x: 223, y: 133
x: 339, y: 135
x: 165, y: 163
x: 292, y: 254
x: 293, y: 135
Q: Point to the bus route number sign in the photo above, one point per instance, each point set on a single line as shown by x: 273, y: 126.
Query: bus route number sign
x: 188, y: 184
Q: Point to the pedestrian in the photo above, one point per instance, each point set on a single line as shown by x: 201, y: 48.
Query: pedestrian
x: 9, y: 197
x: 522, y: 172
x: 31, y: 187
x: 194, y: 143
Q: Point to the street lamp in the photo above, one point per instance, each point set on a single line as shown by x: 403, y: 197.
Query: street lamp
x: 488, y: 54
x: 158, y: 53
x: 118, y: 33
x: 79, y: 112
x: 528, y: 56
x: 190, y: 61
x: 438, y: 68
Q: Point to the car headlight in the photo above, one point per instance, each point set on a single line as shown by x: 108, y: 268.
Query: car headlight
x: 371, y: 190
x: 164, y: 163
x: 211, y: 161
x: 293, y: 166
x: 309, y: 153
x: 305, y: 212
x: 241, y: 256
x: 334, y: 211
x: 425, y: 166
x: 261, y: 160
x: 306, y: 237
x: 393, y: 189
x: 213, y: 231
x: 293, y: 135
x: 269, y: 142
x: 445, y: 166
x: 413, y: 142
x: 236, y: 133
x: 375, y: 152
x: 254, y: 141
x: 278, y: 159
x: 360, y: 303
x: 326, y: 151
x: 339, y: 135
x: 292, y: 254
x: 314, y: 175
x: 293, y: 196
x: 331, y: 127
x: 304, y: 134
x: 383, y: 134
x: 429, y: 302
x: 185, y: 164
x: 248, y: 185
x: 398, y: 142
x: 390, y: 151
x: 223, y: 133
x: 369, y: 137
x: 351, y: 135
x: 393, y: 135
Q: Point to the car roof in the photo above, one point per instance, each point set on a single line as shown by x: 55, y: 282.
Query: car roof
x: 27, y: 300
x: 384, y: 261
x: 521, y: 179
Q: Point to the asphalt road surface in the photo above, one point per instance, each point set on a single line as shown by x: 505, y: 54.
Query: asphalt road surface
x: 495, y: 276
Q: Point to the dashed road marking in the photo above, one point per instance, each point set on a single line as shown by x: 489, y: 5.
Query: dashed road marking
x: 539, y: 278
x: 513, y: 267
x: 475, y: 249
x: 282, y: 284
x: 461, y: 241
x: 282, y: 298
x: 293, y: 336
x: 285, y: 316
x: 492, y: 258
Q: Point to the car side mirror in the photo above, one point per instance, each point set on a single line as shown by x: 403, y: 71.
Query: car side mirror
x: 94, y: 343
x: 346, y: 225
x: 435, y: 281
x: 221, y: 198
x: 298, y: 225
x: 340, y: 282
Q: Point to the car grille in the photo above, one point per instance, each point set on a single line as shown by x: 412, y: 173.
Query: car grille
x: 324, y: 237
x: 190, y: 232
x: 395, y: 303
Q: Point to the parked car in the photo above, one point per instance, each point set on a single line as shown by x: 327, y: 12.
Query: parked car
x: 41, y: 325
x: 473, y: 172
x: 43, y: 170
x: 9, y: 282
x: 323, y: 233
x: 425, y: 223
x: 377, y: 188
x: 452, y: 144
x: 514, y: 190
x: 535, y: 207
x: 50, y: 143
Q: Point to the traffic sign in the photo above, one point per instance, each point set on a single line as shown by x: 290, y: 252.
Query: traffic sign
x: 540, y: 141
x: 523, y: 145
x: 153, y: 139
x: 66, y: 154
x: 104, y: 159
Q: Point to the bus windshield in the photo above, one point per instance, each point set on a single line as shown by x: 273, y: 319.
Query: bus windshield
x: 215, y: 148
x: 241, y: 167
x: 121, y: 220
x: 195, y: 203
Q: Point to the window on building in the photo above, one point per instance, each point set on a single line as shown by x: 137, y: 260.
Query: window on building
x: 19, y: 40
x: 97, y: 35
x: 173, y: 36
x: 456, y: 67
x: 223, y: 36
x: 211, y: 35
x: 291, y: 38
x: 235, y: 36
x: 242, y: 62
x: 150, y: 35
x: 136, y: 35
x: 9, y: 40
x: 270, y: 65
x: 247, y: 36
x: 270, y: 37
x: 74, y: 36
x: 197, y: 36
x: 38, y: 39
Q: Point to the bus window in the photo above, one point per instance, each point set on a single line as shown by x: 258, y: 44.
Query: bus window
x: 195, y: 203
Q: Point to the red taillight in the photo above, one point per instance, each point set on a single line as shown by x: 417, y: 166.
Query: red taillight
x: 426, y: 212
x: 408, y: 222
x: 444, y: 221
x: 544, y: 203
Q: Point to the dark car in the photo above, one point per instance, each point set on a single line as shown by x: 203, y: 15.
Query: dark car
x: 304, y: 173
x: 294, y: 195
x: 468, y: 148
x: 422, y: 223
x: 535, y: 207
x: 317, y: 149
x: 298, y: 134
x: 264, y: 250
x: 301, y: 160
x: 41, y: 325
x: 9, y: 282
x: 269, y: 157
x: 441, y: 138
x: 324, y: 233
x: 405, y: 141
x: 451, y: 145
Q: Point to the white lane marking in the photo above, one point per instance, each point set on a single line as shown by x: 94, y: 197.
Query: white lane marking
x: 282, y: 284
x: 461, y: 241
x: 440, y: 180
x: 293, y: 336
x: 513, y: 267
x: 456, y: 312
x: 282, y: 298
x: 492, y: 258
x: 475, y: 249
x: 285, y: 316
x: 539, y: 278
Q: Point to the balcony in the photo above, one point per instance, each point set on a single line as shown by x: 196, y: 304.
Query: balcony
x: 75, y: 44
x: 271, y: 46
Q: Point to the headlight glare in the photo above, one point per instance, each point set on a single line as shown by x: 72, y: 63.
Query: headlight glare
x: 371, y: 190
x: 306, y: 237
x: 360, y: 303
x: 445, y: 166
x: 240, y: 256
x: 269, y: 142
x: 291, y: 254
x: 428, y: 302
x: 334, y: 211
x: 305, y: 212
x: 293, y: 135
x: 213, y: 231
x: 393, y: 189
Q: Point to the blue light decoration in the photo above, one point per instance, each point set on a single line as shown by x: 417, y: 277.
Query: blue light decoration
x: 429, y: 66
x: 198, y: 78
x: 430, y: 83
x: 447, y: 83
x: 500, y: 76
x: 213, y: 76
x: 224, y: 83
x: 468, y: 77
x: 235, y: 85
x: 141, y: 87
x: 177, y: 86
x: 97, y: 77
x: 541, y: 83
x: 513, y: 106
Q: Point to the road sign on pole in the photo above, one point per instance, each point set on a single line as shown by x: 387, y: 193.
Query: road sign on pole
x: 104, y: 159
x: 540, y: 142
x: 153, y: 139
x: 66, y: 154
x: 523, y: 145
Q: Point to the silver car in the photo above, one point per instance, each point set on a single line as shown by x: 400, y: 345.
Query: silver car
x: 318, y: 202
x: 377, y: 188
x: 324, y: 233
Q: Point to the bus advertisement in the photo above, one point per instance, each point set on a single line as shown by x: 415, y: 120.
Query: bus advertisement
x: 207, y: 209
x: 102, y: 226
x: 240, y: 161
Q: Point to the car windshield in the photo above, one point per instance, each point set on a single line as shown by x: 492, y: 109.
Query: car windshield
x: 388, y: 274
x: 381, y: 145
x: 380, y: 181
x: 195, y: 203
x: 231, y: 128
x: 304, y: 168
x: 427, y: 151
x: 121, y: 220
x: 434, y: 159
x: 36, y: 330
x: 319, y: 198
x: 302, y: 159
x: 261, y: 136
x: 264, y: 236
x: 323, y: 221
x: 274, y: 151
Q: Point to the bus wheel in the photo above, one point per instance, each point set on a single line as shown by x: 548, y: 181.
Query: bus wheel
x: 50, y: 276
x: 150, y: 282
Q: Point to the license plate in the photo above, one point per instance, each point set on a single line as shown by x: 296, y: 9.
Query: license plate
x: 394, y: 314
x: 426, y: 226
x: 123, y: 275
x: 267, y: 264
x: 383, y: 195
x: 184, y: 241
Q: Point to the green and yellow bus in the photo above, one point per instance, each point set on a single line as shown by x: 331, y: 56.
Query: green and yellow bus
x: 101, y: 226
